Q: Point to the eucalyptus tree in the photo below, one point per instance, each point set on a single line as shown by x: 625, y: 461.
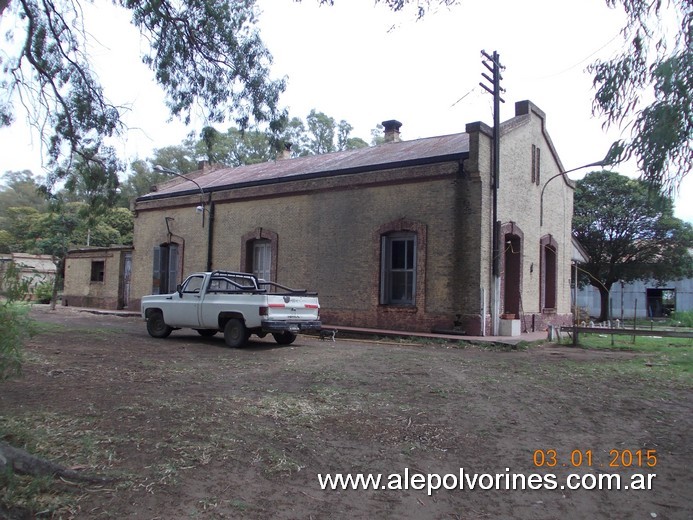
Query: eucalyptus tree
x: 203, y: 53
x: 648, y: 87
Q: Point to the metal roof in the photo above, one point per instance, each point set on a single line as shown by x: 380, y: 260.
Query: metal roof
x: 384, y: 156
x: 37, y: 263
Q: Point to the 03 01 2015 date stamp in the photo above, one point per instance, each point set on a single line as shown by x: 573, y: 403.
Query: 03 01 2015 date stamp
x: 579, y: 458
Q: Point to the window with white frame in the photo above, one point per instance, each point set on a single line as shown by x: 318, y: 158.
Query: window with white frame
x: 398, y: 269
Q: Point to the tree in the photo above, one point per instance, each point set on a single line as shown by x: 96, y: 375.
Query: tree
x: 204, y: 53
x: 321, y: 128
x: 21, y: 189
x: 235, y: 147
x: 649, y: 87
x: 180, y: 158
x: 629, y: 232
x: 421, y: 6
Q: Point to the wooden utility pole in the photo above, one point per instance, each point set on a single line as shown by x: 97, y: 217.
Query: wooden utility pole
x: 492, y: 63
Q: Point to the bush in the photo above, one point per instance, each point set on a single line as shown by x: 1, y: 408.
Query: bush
x: 44, y: 291
x: 15, y: 324
x: 15, y: 327
x: 682, y: 318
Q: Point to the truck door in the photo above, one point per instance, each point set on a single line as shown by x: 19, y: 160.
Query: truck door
x: 185, y: 312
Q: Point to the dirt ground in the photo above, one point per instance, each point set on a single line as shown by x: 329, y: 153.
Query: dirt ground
x: 194, y: 429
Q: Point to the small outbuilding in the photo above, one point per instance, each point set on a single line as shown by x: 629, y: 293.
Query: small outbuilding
x: 98, y: 277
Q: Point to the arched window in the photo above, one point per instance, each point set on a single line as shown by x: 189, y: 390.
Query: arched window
x: 402, y: 253
x: 259, y: 253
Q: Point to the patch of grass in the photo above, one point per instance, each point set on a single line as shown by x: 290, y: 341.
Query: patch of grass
x: 275, y: 462
x: 23, y: 495
x: 238, y: 504
x: 681, y: 319
x: 668, y: 359
x: 60, y: 439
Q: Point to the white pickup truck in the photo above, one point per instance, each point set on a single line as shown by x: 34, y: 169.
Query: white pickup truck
x: 239, y: 304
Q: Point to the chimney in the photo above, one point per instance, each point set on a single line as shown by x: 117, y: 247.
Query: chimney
x: 285, y: 153
x: 392, y: 131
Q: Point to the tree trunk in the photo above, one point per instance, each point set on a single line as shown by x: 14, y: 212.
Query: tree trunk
x: 20, y: 461
x: 604, y: 292
x: 56, y: 281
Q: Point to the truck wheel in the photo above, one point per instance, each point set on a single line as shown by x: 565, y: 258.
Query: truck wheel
x: 284, y: 338
x: 235, y: 333
x: 156, y: 326
x: 206, y: 333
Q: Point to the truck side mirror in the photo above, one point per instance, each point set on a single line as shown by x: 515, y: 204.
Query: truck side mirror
x: 179, y: 288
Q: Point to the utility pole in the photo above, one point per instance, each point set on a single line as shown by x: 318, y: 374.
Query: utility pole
x: 492, y: 63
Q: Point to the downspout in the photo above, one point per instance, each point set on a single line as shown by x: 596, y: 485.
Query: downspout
x: 210, y: 235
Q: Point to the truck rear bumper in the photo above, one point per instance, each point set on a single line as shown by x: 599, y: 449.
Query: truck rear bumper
x: 290, y: 326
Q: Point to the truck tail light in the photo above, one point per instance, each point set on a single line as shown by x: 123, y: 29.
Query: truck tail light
x: 264, y: 311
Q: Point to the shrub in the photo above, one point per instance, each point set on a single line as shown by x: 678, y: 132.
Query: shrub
x: 682, y: 318
x: 44, y: 291
x: 15, y: 327
x: 15, y: 324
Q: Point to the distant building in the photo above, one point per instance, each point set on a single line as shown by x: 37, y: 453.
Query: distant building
x: 35, y: 269
x: 642, y: 299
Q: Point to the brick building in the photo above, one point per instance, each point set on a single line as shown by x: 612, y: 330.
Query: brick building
x: 396, y: 236
x: 98, y: 277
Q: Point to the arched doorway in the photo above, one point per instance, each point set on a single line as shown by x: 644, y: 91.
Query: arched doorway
x: 511, y: 280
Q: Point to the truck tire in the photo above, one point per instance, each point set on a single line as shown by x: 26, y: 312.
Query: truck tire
x: 235, y: 333
x: 284, y: 338
x: 156, y: 326
x: 206, y: 333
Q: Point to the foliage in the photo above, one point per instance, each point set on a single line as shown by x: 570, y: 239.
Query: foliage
x: 15, y: 327
x: 203, y: 53
x: 52, y: 226
x: 629, y: 232
x: 682, y: 318
x: 21, y: 189
x: 43, y: 291
x: 15, y: 324
x: 91, y: 178
x: 421, y: 6
x: 237, y: 147
x: 15, y: 287
x: 649, y: 87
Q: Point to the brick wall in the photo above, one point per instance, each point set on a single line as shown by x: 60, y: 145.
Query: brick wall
x: 81, y: 291
x: 328, y: 239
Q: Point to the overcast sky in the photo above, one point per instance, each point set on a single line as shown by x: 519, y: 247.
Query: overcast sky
x: 365, y: 64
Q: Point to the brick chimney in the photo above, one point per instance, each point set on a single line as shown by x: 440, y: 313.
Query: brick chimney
x: 392, y: 131
x: 285, y: 153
